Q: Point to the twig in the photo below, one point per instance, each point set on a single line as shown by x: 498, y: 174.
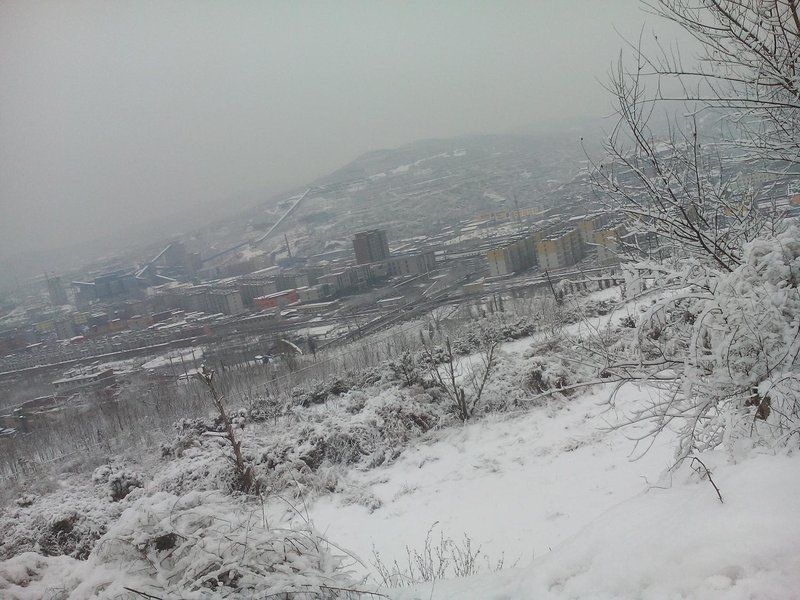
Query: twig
x: 327, y: 588
x: 708, y: 474
x: 142, y: 594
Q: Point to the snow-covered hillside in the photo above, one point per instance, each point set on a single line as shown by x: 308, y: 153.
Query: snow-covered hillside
x: 516, y: 484
x: 676, y: 541
x: 555, y: 493
x: 372, y: 479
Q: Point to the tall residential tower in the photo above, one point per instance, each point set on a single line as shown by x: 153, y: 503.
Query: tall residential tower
x: 371, y: 246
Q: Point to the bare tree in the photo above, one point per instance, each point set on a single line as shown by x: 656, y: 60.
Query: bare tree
x: 680, y: 190
x: 462, y: 380
x: 746, y: 65
x: 714, y: 343
x: 244, y: 473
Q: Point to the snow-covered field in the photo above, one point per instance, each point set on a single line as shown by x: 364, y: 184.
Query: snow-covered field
x: 556, y: 494
x: 675, y: 542
x: 517, y: 485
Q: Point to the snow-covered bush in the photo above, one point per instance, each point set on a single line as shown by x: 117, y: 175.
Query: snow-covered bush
x: 363, y: 427
x: 406, y: 369
x: 118, y: 483
x: 723, y: 347
x: 201, y: 545
x: 202, y: 465
x: 67, y: 532
x: 337, y: 436
x: 66, y: 524
x: 545, y: 375
x: 558, y: 362
x: 267, y: 407
x: 188, y: 433
x: 317, y: 392
x: 442, y: 559
x: 497, y: 327
x: 25, y: 500
x: 506, y: 389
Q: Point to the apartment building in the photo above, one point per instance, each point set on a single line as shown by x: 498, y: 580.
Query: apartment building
x: 371, y: 246
x: 607, y: 244
x: 511, y: 258
x: 560, y: 250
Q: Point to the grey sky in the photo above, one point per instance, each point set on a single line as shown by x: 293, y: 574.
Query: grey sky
x: 112, y: 111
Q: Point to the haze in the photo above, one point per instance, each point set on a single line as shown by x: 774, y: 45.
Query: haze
x: 114, y: 113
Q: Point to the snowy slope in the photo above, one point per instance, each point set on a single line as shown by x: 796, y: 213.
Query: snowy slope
x: 569, y: 501
x: 559, y: 495
x: 517, y: 484
x: 671, y: 543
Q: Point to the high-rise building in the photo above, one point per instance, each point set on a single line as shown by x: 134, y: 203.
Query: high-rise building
x: 514, y: 257
x: 371, y: 246
x: 56, y: 291
x: 560, y: 250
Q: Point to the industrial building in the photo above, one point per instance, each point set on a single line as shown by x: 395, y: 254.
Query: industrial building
x: 276, y: 300
x: 76, y: 382
x: 349, y: 278
x: 413, y: 263
x: 252, y: 288
x: 227, y: 301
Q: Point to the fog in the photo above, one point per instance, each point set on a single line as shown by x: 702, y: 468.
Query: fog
x: 114, y: 113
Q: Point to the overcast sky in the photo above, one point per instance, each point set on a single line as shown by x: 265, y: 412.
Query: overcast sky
x: 112, y: 111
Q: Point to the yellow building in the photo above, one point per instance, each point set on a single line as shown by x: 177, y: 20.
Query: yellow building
x: 607, y: 244
x: 511, y: 258
x: 559, y: 251
x: 587, y: 225
x: 45, y: 326
x: 498, y: 261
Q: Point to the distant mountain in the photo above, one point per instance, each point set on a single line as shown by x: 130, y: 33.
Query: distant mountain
x: 411, y: 190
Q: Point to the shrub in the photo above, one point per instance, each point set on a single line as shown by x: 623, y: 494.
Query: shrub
x: 201, y: 546
x: 118, y: 483
x: 722, y: 346
x: 436, y: 560
x: 69, y: 524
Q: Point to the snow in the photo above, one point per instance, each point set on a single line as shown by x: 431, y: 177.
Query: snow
x: 120, y: 367
x: 517, y: 485
x: 189, y: 356
x: 319, y: 331
x: 494, y: 196
x: 248, y: 253
x: 678, y: 542
x: 405, y: 168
